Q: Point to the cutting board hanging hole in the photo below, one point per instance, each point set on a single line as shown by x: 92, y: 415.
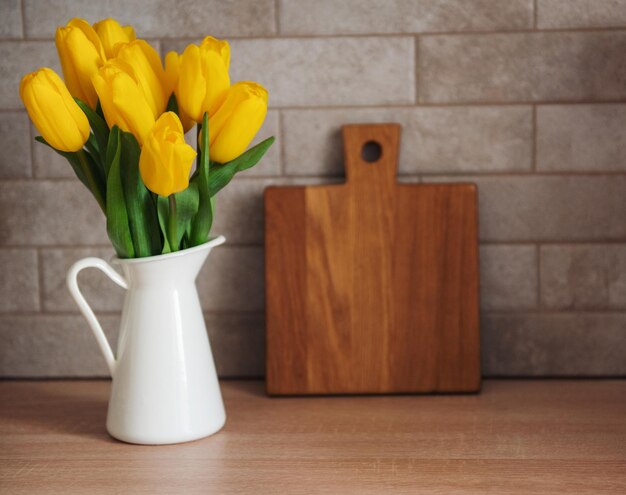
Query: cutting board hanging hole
x: 371, y: 151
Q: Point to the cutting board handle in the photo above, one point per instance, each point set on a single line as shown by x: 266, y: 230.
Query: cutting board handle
x: 371, y: 152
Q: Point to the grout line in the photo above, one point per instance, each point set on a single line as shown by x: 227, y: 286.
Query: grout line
x: 161, y: 51
x: 528, y: 243
x: 105, y: 313
x: 23, y: 15
x: 464, y: 175
x: 281, y: 145
x: 277, y: 16
x: 534, y: 139
x: 260, y: 244
x: 38, y: 179
x: 27, y: 40
x: 555, y: 312
x: 40, y: 279
x: 417, y: 70
x: 31, y: 148
x: 538, y: 302
x: 423, y: 105
x: 51, y: 247
x: 313, y: 36
x: 431, y: 177
x: 158, y: 46
x: 543, y: 242
x: 517, y: 174
x: 260, y: 312
x: 553, y: 242
x: 448, y: 104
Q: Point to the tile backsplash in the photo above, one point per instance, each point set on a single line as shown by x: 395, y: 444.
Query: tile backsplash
x: 526, y: 98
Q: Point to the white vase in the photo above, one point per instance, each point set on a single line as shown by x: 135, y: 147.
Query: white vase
x: 165, y: 387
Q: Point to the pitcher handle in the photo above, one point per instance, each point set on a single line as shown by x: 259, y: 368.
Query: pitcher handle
x: 85, y: 309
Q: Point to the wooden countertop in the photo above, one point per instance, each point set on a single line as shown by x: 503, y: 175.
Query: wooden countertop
x: 517, y: 436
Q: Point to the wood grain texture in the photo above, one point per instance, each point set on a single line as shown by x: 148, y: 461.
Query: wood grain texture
x: 516, y: 437
x: 371, y: 285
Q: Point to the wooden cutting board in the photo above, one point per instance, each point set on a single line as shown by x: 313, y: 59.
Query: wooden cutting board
x: 372, y: 285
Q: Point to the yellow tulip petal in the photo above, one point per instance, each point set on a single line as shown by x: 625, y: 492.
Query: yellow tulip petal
x: 65, y: 132
x: 128, y: 100
x: 172, y: 70
x: 81, y: 55
x: 72, y: 77
x: 203, y: 79
x: 172, y: 67
x: 237, y: 121
x: 239, y: 131
x: 123, y: 102
x: 111, y: 33
x: 146, y: 67
x: 54, y: 113
x: 90, y: 34
x: 191, y: 87
x: 75, y: 114
x: 234, y: 97
x: 169, y: 122
x: 220, y: 46
x: 166, y: 160
x: 130, y: 32
x: 217, y: 81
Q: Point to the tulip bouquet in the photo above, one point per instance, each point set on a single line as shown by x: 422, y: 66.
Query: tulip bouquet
x: 119, y: 118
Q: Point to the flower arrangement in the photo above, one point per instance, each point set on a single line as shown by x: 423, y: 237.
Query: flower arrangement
x: 119, y: 118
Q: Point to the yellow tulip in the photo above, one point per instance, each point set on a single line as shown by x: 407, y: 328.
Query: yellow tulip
x: 123, y: 102
x: 172, y: 66
x: 111, y: 33
x: 142, y: 61
x: 54, y: 112
x: 81, y: 54
x: 237, y: 121
x: 220, y: 46
x: 166, y: 160
x: 203, y: 77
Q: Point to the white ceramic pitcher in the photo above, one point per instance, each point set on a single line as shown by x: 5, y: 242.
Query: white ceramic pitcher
x: 165, y: 387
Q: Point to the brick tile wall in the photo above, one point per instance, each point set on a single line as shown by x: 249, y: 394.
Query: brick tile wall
x: 527, y: 98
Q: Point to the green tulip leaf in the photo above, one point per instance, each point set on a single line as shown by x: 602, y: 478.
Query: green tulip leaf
x: 112, y: 149
x: 99, y: 127
x: 92, y: 147
x: 184, y: 242
x: 118, y: 228
x: 222, y: 173
x: 163, y: 212
x: 71, y: 158
x: 99, y: 111
x: 86, y: 169
x: 142, y: 211
x: 202, y: 221
x: 95, y: 177
x: 186, y: 207
x: 172, y: 104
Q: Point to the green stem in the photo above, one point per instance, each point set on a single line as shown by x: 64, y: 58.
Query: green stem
x: 93, y: 186
x: 171, y: 224
x: 201, y: 224
x: 198, y: 149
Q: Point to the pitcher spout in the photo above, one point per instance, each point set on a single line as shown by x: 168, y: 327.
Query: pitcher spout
x: 180, y: 266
